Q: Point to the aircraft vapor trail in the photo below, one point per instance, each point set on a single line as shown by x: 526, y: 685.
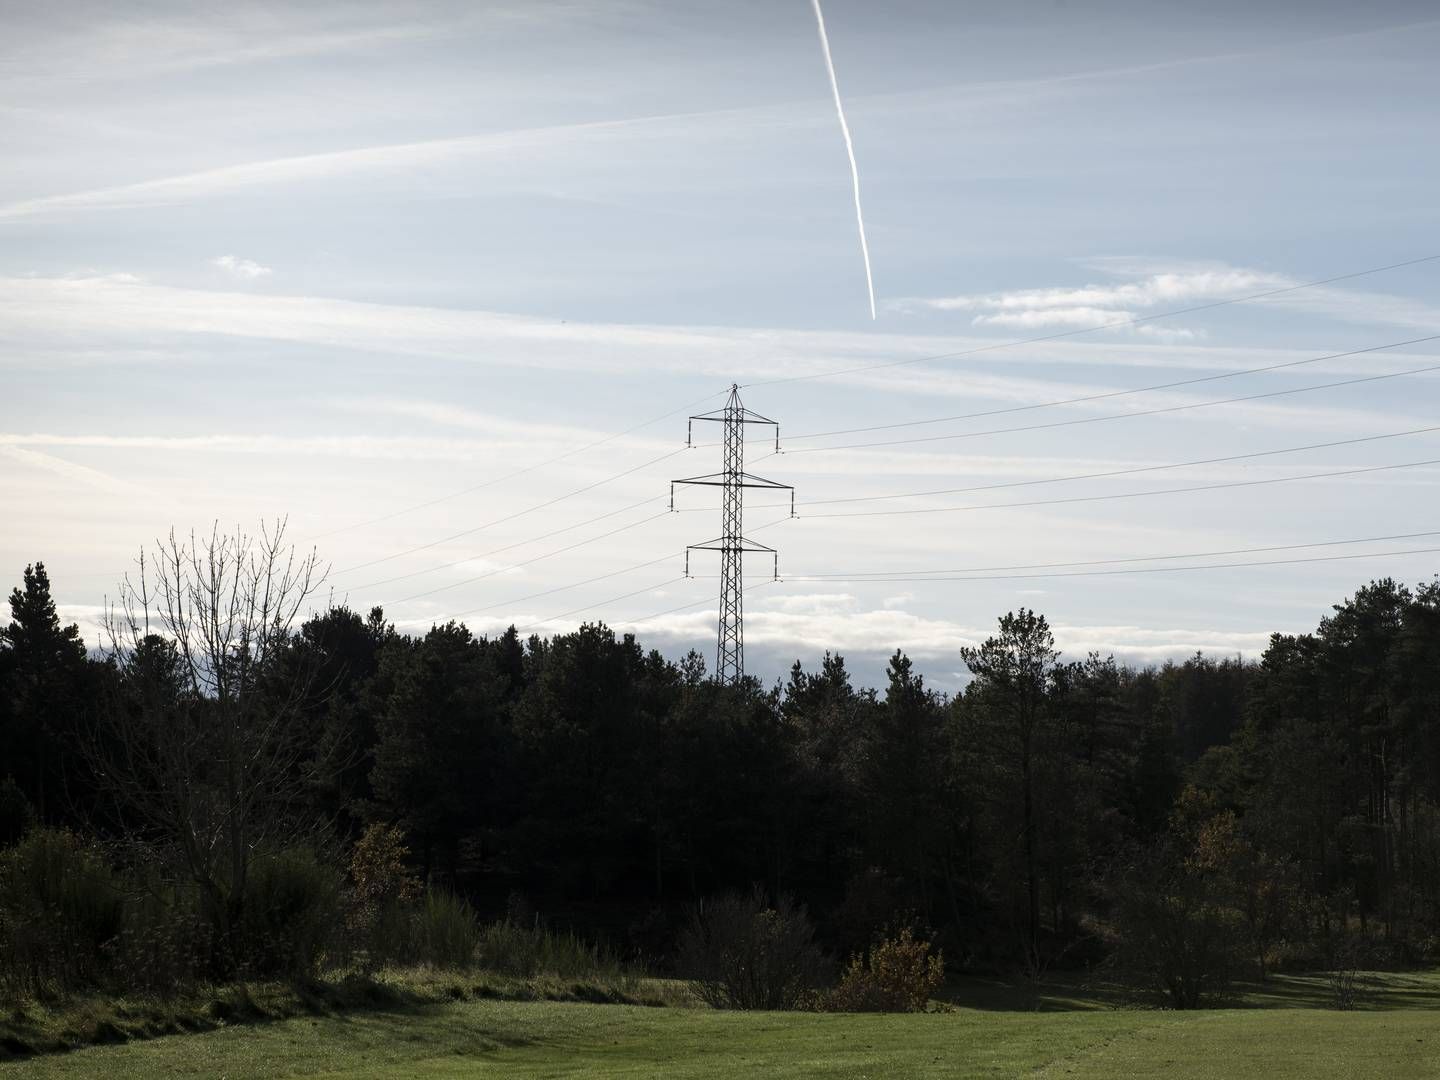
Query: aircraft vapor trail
x: 849, y: 149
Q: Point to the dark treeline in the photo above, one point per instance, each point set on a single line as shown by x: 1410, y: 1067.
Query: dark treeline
x: 1189, y: 819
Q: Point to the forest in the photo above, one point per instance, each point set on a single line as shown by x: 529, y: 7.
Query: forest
x: 242, y: 782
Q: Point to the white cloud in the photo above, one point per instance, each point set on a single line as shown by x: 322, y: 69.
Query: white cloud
x: 1028, y: 318
x: 441, y: 414
x: 68, y: 469
x: 1169, y: 334
x: 1102, y: 305
x: 84, y: 317
x: 242, y: 269
x: 815, y: 603
x: 398, y: 448
x: 878, y: 632
x: 392, y: 159
x: 1163, y: 286
x: 1155, y: 290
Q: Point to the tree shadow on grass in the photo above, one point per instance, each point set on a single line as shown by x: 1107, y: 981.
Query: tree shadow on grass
x: 1085, y: 992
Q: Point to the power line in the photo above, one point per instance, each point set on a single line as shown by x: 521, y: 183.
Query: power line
x: 510, y: 547
x: 1120, y: 416
x: 1160, y: 569
x: 1133, y: 494
x: 519, y: 472
x: 1115, y: 393
x: 686, y: 607
x: 925, y: 575
x: 535, y: 559
x: 616, y: 599
x: 1117, y: 472
x: 995, y: 577
x: 1135, y: 321
x: 602, y: 603
x: 517, y: 514
x: 561, y: 588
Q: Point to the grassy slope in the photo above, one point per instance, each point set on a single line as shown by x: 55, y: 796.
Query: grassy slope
x: 1399, y: 1036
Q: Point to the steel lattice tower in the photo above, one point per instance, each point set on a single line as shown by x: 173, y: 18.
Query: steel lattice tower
x: 732, y: 544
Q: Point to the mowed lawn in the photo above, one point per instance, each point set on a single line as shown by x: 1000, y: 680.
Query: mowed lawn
x: 1398, y: 1036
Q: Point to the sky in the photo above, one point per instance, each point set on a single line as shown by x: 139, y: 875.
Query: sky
x: 440, y: 283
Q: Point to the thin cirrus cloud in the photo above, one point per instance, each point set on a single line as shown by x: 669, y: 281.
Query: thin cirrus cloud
x: 106, y: 307
x: 241, y: 269
x: 400, y: 448
x: 394, y: 159
x: 1099, y: 305
x: 81, y: 474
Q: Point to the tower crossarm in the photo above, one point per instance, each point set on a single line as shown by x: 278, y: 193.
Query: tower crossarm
x: 740, y: 545
x: 742, y: 479
x: 731, y: 415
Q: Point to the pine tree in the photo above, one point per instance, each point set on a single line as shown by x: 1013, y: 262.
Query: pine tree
x: 43, y: 665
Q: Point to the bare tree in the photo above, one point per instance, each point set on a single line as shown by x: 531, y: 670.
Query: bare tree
x: 202, y: 749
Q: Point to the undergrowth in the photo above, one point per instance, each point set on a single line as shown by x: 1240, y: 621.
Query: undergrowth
x: 32, y: 1026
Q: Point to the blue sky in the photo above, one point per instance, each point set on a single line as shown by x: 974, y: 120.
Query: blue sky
x: 335, y: 262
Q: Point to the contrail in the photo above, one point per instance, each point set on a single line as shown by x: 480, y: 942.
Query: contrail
x: 849, y: 149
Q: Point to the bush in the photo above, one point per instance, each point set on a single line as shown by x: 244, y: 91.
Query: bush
x: 509, y: 948
x: 382, y: 886
x: 745, y: 954
x: 164, y: 943
x: 379, y: 871
x: 60, y: 907
x: 445, y: 931
x: 898, y: 975
x: 1349, y: 958
x: 1178, y: 930
x: 291, y: 913
x: 17, y: 816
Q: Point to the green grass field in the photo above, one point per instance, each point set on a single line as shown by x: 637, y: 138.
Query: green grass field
x: 1280, y: 1033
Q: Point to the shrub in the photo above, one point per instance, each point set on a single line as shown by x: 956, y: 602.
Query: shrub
x: 292, y: 910
x: 509, y: 948
x: 1178, y: 930
x: 17, y: 816
x: 60, y: 907
x: 745, y: 954
x: 1349, y: 957
x: 164, y: 943
x: 898, y: 975
x: 445, y: 931
x: 379, y: 872
x: 382, y: 887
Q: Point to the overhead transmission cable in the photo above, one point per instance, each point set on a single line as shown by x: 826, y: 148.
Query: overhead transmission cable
x: 602, y: 603
x: 1132, y: 494
x: 1130, y: 471
x: 1109, y: 394
x: 521, y: 472
x: 566, y: 588
x: 517, y: 514
x: 994, y: 577
x: 1116, y: 324
x: 535, y: 559
x: 602, y: 577
x: 646, y: 618
x: 1162, y: 410
x: 511, y: 546
x: 1146, y: 569
x: 951, y: 573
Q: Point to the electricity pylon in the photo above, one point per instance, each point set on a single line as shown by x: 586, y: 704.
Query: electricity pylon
x: 732, y: 544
